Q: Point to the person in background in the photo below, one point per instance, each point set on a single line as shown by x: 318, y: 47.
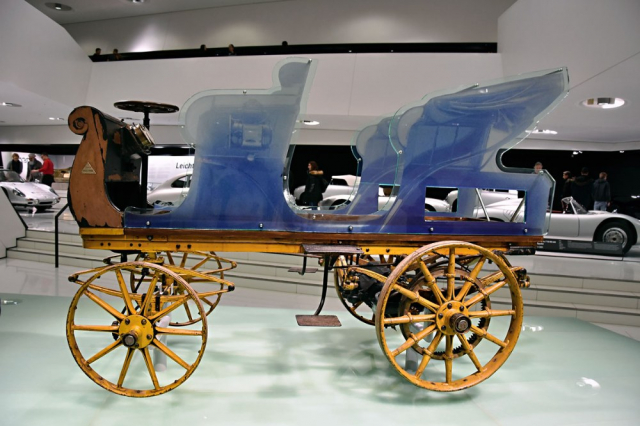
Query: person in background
x: 115, y: 56
x: 97, y: 56
x: 203, y: 49
x: 313, y: 187
x: 46, y: 169
x: 15, y: 164
x: 582, y: 189
x: 32, y: 166
x: 537, y: 168
x: 566, y: 187
x: 232, y: 50
x: 601, y: 193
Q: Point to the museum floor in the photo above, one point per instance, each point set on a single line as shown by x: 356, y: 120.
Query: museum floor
x: 260, y: 368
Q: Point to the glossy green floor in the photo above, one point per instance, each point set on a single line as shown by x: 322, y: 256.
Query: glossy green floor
x: 260, y: 368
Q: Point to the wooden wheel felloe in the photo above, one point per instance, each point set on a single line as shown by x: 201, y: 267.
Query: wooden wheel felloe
x: 200, y: 270
x: 108, y: 325
x: 438, y: 299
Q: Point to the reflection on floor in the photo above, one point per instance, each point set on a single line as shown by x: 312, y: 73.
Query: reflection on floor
x: 260, y: 368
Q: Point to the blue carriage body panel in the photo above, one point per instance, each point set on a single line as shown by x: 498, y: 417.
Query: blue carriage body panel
x: 448, y: 139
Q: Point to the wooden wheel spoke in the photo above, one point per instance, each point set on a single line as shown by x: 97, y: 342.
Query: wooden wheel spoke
x: 469, y: 351
x: 104, y: 305
x: 448, y: 359
x: 152, y: 371
x: 178, y: 332
x: 125, y: 366
x: 125, y: 292
x: 410, y: 319
x: 431, y: 282
x: 101, y: 328
x: 490, y: 337
x: 484, y: 293
x: 170, y: 257
x: 413, y: 339
x: 415, y: 297
x: 172, y: 307
x: 188, y: 311
x: 451, y: 273
x: 104, y: 351
x: 426, y: 357
x: 357, y: 304
x: 491, y: 278
x: 490, y: 313
x: 470, y: 280
x: 199, y: 264
x: 150, y: 294
x: 168, y: 352
x: 183, y: 262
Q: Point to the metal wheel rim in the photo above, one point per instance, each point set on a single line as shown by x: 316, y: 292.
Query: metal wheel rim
x: 615, y: 235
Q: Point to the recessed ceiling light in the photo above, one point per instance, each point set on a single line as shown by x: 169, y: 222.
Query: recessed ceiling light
x: 56, y: 118
x: 310, y: 122
x: 10, y: 104
x: 603, y: 103
x: 139, y: 1
x: 59, y: 7
x: 542, y: 132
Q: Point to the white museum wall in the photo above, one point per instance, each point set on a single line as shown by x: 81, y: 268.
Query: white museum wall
x: 39, y: 58
x: 598, y: 42
x: 352, y: 89
x: 298, y: 22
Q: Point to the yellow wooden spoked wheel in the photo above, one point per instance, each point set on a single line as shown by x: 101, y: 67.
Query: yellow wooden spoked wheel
x: 358, y: 309
x: 419, y: 285
x: 196, y: 269
x: 437, y: 313
x: 107, y: 325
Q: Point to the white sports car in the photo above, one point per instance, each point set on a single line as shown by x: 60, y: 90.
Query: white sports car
x: 27, y: 194
x: 171, y: 192
x: 430, y: 204
x: 489, y: 196
x: 338, y: 185
x: 575, y: 224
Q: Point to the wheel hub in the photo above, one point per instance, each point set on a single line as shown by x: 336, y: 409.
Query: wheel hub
x: 453, y: 318
x: 615, y: 235
x: 136, y: 332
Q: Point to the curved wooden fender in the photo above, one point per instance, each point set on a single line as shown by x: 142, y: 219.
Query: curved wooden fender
x: 87, y: 197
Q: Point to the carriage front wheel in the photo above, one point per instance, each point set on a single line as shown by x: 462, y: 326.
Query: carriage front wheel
x: 119, y: 337
x: 437, y: 302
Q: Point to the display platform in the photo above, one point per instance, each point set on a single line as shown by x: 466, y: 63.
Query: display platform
x: 260, y: 368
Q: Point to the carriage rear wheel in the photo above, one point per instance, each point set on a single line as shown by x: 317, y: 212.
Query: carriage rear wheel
x: 203, y: 271
x: 115, y: 334
x: 439, y: 297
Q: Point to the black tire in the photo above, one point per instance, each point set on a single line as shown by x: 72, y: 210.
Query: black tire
x: 616, y: 231
x: 41, y: 209
x: 429, y: 208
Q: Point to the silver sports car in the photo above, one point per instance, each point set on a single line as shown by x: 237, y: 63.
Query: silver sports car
x: 27, y: 194
x: 171, y: 192
x: 334, y: 201
x: 576, y: 223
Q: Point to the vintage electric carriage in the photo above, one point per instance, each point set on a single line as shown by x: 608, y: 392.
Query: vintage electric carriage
x: 431, y: 283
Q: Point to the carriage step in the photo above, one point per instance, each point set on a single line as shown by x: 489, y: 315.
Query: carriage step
x: 330, y: 249
x: 306, y: 271
x: 318, y: 321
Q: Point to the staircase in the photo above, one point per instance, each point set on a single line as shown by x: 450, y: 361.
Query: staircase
x: 590, y: 299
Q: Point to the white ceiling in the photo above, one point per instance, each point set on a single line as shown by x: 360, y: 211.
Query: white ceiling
x: 96, y: 10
